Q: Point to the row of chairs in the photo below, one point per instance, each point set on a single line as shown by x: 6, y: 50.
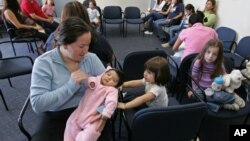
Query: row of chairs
x: 237, y: 51
x: 115, y: 15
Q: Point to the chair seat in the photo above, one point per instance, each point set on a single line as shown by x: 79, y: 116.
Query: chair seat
x: 15, y: 67
x: 229, y: 114
x: 113, y: 21
x: 134, y: 21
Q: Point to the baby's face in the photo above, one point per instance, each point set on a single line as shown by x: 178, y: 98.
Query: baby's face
x: 110, y: 78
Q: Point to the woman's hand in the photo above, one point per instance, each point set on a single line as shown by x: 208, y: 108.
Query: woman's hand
x: 121, y: 105
x: 78, y: 76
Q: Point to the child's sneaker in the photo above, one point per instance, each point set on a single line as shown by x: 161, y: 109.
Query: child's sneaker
x: 239, y: 101
x: 233, y: 106
x: 148, y: 33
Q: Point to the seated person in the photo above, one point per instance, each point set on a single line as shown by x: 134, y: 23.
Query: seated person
x: 195, y: 37
x: 156, y: 14
x: 48, y: 8
x: 174, y: 30
x: 176, y: 12
x: 99, y: 45
x: 102, y: 95
x: 32, y: 9
x: 15, y: 18
x: 209, y: 13
x: 56, y: 82
x: 94, y: 15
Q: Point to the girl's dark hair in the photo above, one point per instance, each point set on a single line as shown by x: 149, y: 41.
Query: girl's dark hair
x: 70, y: 29
x: 190, y: 7
x: 93, y: 1
x: 120, y: 76
x: 46, y: 2
x: 159, y: 66
x: 197, y: 17
x: 218, y: 62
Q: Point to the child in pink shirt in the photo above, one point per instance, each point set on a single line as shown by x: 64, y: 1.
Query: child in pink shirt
x: 48, y: 8
x: 85, y: 124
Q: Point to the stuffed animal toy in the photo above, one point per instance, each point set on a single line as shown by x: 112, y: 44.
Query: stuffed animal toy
x: 247, y: 69
x: 215, y: 94
x: 233, y: 81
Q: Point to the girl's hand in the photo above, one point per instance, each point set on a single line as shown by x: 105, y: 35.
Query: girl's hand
x: 190, y: 94
x: 121, y: 105
x: 78, y: 76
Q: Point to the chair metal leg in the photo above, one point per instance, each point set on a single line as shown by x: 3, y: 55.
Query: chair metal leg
x: 12, y: 44
x: 4, y: 102
x: 10, y: 83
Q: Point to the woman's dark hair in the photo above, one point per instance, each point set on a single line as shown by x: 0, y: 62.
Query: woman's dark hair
x: 70, y: 29
x: 13, y: 6
x: 197, y: 17
x: 218, y: 62
x: 120, y: 76
x: 46, y: 2
x: 159, y: 66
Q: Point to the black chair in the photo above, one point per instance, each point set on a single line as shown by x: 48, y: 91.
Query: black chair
x: 132, y: 15
x: 133, y: 65
x: 12, y: 67
x: 15, y: 66
x: 227, y: 36
x: 113, y: 15
x: 14, y: 38
x: 174, y: 123
x: 241, y: 52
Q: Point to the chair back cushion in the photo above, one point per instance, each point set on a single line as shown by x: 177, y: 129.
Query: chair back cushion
x: 112, y: 12
x: 132, y: 13
x: 133, y: 66
x: 174, y: 123
x: 227, y: 36
x: 243, y: 47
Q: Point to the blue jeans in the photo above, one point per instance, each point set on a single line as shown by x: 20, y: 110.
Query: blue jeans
x: 217, y: 99
x: 153, y: 16
x: 159, y: 24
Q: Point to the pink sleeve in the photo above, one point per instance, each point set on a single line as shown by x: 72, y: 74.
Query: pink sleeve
x: 110, y: 102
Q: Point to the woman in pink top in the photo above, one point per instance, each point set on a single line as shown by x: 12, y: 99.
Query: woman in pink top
x: 101, y: 96
x: 196, y: 36
x: 48, y: 8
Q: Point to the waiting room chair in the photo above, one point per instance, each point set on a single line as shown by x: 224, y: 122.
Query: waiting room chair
x: 227, y: 36
x: 132, y: 15
x: 241, y: 52
x: 15, y: 66
x: 174, y: 123
x: 14, y: 38
x: 113, y: 15
x: 12, y: 67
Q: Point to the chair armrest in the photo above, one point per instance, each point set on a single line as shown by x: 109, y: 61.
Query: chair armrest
x: 199, y: 87
x: 20, y: 119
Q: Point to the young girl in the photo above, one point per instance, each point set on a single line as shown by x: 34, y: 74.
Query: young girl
x: 156, y: 76
x: 85, y: 123
x: 94, y: 14
x: 48, y: 8
x: 208, y: 65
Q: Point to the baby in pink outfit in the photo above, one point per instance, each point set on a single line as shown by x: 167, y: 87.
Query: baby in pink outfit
x: 85, y: 124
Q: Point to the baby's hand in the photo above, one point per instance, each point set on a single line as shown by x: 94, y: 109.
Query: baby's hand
x: 190, y: 94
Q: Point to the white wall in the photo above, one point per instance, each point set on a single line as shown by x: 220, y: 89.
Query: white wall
x: 231, y: 13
